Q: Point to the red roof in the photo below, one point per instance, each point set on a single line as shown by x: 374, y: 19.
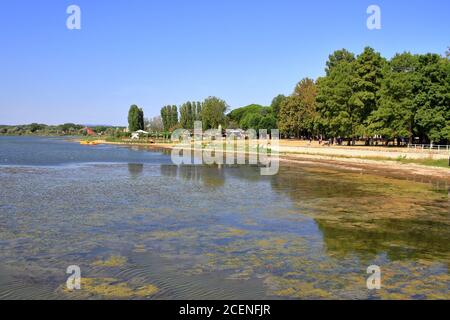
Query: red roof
x: 89, y: 131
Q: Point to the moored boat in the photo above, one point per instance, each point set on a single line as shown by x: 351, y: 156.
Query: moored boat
x: 91, y: 143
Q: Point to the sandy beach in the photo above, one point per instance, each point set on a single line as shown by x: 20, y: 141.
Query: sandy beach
x: 352, y: 158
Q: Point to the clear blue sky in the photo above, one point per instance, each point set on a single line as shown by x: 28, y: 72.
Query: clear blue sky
x: 153, y: 53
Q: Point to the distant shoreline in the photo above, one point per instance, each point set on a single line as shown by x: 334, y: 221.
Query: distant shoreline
x: 353, y: 163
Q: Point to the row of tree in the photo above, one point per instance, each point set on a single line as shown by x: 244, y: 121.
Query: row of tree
x: 169, y: 116
x: 211, y: 112
x: 360, y: 96
x: 65, y: 129
x: 189, y: 113
x: 366, y: 95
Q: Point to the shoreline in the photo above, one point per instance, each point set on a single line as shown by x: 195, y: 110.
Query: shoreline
x: 381, y: 166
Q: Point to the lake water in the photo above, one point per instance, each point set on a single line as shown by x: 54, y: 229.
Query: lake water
x: 139, y: 227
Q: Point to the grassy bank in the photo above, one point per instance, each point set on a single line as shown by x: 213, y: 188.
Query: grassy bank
x: 441, y: 163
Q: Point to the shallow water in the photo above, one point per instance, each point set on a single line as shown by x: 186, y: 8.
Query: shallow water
x: 140, y: 227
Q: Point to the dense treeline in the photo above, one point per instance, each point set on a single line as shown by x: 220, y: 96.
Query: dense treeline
x: 66, y: 129
x: 169, y: 116
x: 361, y: 96
x: 253, y: 116
x: 189, y: 113
x: 211, y: 112
x: 367, y: 96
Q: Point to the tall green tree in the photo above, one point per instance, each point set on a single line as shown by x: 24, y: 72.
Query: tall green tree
x: 184, y: 116
x: 165, y: 118
x: 135, y: 118
x: 337, y: 58
x: 335, y: 90
x: 213, y: 112
x: 237, y: 115
x: 276, y: 104
x: 174, y: 116
x: 253, y: 116
x: 198, y: 113
x: 190, y: 115
x: 187, y: 115
x: 396, y: 114
x: 366, y: 83
x: 298, y: 112
x: 289, y: 116
x: 169, y: 116
x: 433, y: 98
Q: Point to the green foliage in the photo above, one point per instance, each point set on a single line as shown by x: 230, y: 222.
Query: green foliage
x: 334, y: 100
x: 102, y: 129
x: 164, y: 117
x: 174, y: 116
x: 358, y: 97
x: 67, y: 129
x: 70, y: 127
x: 267, y: 122
x: 169, y: 116
x: 198, y: 113
x: 276, y: 104
x: 367, y: 95
x: 368, y: 77
x: 253, y: 116
x: 135, y: 118
x: 338, y: 57
x: 213, y: 112
x: 34, y: 127
x: 433, y: 98
x: 396, y: 112
x: 188, y: 114
x: 121, y: 134
x: 238, y: 114
x: 251, y: 121
x: 298, y: 112
x: 414, y: 99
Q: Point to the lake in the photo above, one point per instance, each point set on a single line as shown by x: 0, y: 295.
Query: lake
x: 140, y: 227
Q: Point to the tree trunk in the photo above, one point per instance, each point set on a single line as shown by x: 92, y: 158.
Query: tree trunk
x: 411, y: 131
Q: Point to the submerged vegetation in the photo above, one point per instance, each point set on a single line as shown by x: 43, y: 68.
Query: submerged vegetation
x: 112, y: 288
x: 113, y: 261
x: 220, y: 232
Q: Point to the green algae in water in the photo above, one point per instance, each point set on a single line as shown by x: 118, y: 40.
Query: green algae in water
x: 113, y: 261
x: 113, y: 288
x: 306, y: 233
